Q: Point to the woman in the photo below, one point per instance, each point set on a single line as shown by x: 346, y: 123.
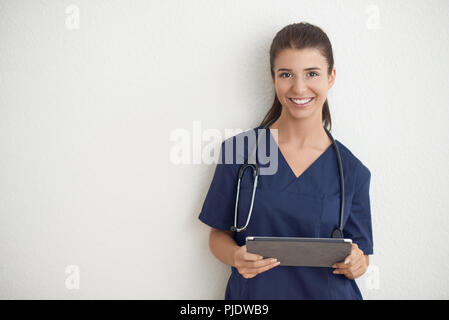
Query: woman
x: 302, y: 198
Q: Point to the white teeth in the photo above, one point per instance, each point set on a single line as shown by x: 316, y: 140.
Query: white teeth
x: 301, y: 101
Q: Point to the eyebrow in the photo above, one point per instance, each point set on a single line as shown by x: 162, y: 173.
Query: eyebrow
x: 307, y: 69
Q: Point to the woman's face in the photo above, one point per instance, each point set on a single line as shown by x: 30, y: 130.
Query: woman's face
x: 302, y: 74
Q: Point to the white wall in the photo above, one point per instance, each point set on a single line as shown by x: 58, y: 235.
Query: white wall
x: 88, y: 105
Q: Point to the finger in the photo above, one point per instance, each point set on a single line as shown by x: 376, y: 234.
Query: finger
x: 341, y: 271
x: 251, y: 256
x: 354, y: 273
x: 352, y: 259
x: 356, y: 266
x: 342, y: 264
x: 346, y: 271
x: 351, y: 273
x: 354, y: 255
x: 268, y: 267
x: 347, y: 264
x: 252, y: 266
x: 351, y: 265
x: 355, y: 258
x: 248, y: 271
x: 358, y: 271
x: 261, y: 263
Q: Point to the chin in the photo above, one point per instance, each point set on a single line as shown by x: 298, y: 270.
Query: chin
x: 303, y: 114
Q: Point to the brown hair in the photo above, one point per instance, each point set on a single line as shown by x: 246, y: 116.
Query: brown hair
x: 300, y: 36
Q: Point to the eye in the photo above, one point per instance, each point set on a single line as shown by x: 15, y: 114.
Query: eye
x: 283, y: 74
x: 313, y: 73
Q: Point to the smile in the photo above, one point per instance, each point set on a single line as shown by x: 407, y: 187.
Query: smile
x: 301, y: 102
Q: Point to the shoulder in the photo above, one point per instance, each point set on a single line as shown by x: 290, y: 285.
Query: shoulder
x: 239, y: 137
x: 235, y: 145
x: 237, y: 134
x: 352, y: 163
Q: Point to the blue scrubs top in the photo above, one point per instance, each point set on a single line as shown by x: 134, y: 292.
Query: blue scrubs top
x: 290, y: 206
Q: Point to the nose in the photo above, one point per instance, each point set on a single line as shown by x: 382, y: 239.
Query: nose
x: 299, y: 86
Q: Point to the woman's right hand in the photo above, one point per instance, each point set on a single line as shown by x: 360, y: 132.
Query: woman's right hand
x: 250, y: 265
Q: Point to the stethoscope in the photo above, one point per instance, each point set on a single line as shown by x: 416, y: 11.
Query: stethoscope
x: 337, y: 233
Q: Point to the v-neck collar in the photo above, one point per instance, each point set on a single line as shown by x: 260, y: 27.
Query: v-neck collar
x: 309, y: 168
x: 314, y: 163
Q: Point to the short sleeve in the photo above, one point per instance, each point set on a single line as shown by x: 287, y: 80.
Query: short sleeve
x: 218, y: 207
x: 359, y: 225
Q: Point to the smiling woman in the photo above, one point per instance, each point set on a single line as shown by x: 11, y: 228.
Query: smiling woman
x: 303, y: 197
x: 307, y: 49
x: 302, y: 89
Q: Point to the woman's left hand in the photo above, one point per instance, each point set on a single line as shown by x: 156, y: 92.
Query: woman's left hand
x: 354, y: 265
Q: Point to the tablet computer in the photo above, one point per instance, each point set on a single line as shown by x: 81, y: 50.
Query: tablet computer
x: 301, y: 252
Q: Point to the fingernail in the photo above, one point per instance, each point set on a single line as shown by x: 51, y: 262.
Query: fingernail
x: 346, y: 261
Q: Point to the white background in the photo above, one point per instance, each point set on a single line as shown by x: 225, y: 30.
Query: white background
x: 91, y: 91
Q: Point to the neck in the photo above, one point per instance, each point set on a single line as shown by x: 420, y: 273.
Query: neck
x: 301, y: 132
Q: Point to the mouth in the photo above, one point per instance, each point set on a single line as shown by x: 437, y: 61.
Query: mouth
x: 302, y: 102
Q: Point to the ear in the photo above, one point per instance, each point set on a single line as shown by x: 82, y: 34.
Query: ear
x: 332, y: 77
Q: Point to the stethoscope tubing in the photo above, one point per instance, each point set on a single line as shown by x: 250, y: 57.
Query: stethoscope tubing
x: 338, y: 232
